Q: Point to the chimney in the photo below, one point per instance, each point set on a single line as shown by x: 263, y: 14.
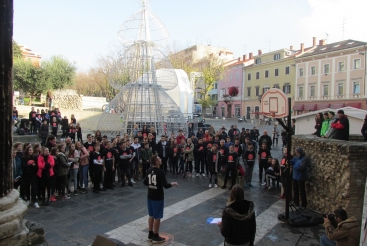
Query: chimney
x: 322, y: 42
x: 302, y: 47
x: 250, y: 56
x: 291, y: 47
x: 313, y: 41
x: 244, y: 57
x: 259, y: 52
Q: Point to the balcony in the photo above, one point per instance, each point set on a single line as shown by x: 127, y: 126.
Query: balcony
x: 227, y: 98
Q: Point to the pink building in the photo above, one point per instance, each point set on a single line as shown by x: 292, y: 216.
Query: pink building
x: 331, y: 76
x: 230, y: 89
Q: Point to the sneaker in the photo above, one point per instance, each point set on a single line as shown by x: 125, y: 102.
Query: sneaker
x: 65, y: 197
x: 158, y: 239
x: 189, y: 175
x: 263, y: 183
x: 69, y: 192
x: 197, y: 175
x: 203, y: 174
x: 132, y: 181
x: 216, y: 186
x: 53, y: 199
x: 250, y: 185
x: 269, y: 188
x: 75, y: 193
x: 84, y: 191
x: 36, y: 205
x: 150, y: 236
x: 210, y: 185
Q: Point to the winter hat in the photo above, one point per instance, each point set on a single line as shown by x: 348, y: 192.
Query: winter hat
x: 340, y: 111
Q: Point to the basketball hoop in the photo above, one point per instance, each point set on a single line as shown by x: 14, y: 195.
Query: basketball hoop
x: 274, y: 103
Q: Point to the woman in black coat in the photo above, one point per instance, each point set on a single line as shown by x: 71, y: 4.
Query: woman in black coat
x: 318, y: 120
x: 44, y: 132
x: 238, y: 225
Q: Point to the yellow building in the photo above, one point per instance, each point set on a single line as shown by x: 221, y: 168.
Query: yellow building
x: 275, y: 69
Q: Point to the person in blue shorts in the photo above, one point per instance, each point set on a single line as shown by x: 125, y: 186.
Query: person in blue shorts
x: 156, y: 180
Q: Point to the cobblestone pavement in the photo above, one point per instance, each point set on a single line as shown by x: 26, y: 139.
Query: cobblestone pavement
x: 121, y: 214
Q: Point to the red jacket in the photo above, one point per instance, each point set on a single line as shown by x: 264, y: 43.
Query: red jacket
x: 179, y: 138
x: 42, y: 164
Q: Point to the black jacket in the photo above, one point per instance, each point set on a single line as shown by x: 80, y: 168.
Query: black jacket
x: 160, y: 149
x: 341, y: 127
x: 238, y: 222
x: 267, y: 140
x: 44, y: 131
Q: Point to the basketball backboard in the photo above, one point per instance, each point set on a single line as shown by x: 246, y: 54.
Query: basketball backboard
x: 274, y: 103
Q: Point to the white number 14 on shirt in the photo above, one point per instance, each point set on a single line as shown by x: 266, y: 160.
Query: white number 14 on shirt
x: 152, y: 179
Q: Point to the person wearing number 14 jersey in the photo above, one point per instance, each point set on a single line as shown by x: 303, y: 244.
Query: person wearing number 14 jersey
x: 156, y: 180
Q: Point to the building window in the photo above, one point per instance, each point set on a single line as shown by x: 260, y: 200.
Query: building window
x: 248, y: 91
x: 300, y: 91
x: 266, y: 73
x: 286, y: 70
x: 257, y: 60
x: 326, y: 68
x: 222, y: 92
x: 341, y: 66
x: 276, y: 57
x: 356, y: 89
x: 340, y: 89
x: 276, y: 72
x: 357, y: 63
x: 216, y: 86
x: 257, y: 90
x: 312, y: 91
x: 287, y: 88
x: 276, y: 86
x: 325, y: 90
x: 313, y: 70
x: 257, y: 75
x: 265, y: 89
x: 249, y: 76
x: 300, y: 72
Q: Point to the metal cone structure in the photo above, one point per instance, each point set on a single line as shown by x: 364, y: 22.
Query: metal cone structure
x: 143, y: 74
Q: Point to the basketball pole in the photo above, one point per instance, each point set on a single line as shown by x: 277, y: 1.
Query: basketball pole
x: 289, y: 147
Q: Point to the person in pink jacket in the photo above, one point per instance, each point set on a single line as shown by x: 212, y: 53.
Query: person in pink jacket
x: 45, y: 171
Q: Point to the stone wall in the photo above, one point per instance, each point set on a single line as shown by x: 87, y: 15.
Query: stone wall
x: 66, y: 99
x: 338, y: 173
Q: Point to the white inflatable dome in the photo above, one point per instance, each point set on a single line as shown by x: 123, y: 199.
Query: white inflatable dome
x: 182, y: 94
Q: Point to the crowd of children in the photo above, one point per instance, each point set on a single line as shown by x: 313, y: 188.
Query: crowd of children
x: 56, y: 171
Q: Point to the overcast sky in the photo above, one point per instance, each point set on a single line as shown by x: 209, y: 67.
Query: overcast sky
x: 82, y: 30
